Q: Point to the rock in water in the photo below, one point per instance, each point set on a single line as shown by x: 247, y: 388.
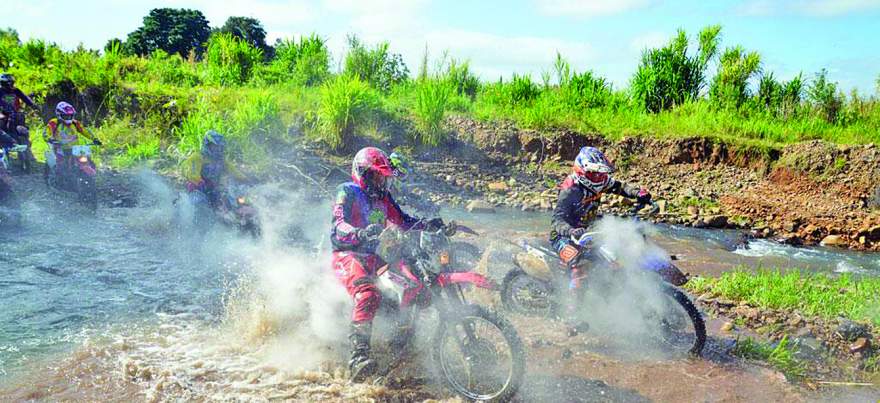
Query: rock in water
x: 851, y: 331
x: 861, y: 344
x: 479, y: 206
x: 833, y: 240
x: 498, y: 187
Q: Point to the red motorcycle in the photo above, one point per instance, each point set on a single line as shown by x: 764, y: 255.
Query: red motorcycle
x: 475, y: 351
x: 75, y: 172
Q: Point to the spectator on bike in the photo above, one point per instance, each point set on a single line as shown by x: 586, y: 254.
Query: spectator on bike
x: 206, y: 170
x: 64, y: 131
x: 577, y: 206
x: 401, y: 169
x: 11, y: 100
x: 362, y: 209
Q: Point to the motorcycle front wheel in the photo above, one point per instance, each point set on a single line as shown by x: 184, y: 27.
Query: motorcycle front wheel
x: 479, y: 355
x: 679, y: 323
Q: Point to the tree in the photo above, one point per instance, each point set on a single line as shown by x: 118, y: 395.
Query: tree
x: 114, y: 45
x: 174, y: 30
x: 247, y: 29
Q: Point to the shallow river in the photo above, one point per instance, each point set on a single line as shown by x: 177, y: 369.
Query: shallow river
x: 126, y: 283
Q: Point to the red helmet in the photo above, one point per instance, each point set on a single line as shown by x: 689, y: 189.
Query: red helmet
x: 370, y: 170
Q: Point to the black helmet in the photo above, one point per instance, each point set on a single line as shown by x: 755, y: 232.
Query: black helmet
x: 7, y: 80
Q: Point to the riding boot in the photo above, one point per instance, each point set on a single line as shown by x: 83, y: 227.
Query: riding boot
x: 360, y: 364
x: 571, y: 316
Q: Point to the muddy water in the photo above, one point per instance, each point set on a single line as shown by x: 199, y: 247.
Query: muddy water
x: 124, y: 306
x: 700, y: 251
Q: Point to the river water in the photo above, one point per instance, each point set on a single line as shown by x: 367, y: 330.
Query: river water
x: 125, y: 291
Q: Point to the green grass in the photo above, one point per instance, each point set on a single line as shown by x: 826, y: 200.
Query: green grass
x: 780, y: 356
x: 812, y: 294
x: 158, y: 107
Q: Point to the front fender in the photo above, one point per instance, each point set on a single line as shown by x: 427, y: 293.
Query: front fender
x: 466, y: 277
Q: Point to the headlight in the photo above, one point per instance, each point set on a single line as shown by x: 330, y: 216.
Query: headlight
x: 83, y: 159
x: 242, y: 200
x: 444, y: 258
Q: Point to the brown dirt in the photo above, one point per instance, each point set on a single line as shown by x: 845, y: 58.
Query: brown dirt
x: 799, y: 194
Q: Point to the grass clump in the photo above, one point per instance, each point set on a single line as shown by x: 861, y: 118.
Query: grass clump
x: 780, y: 356
x: 346, y: 102
x: 813, y: 294
x: 432, y: 100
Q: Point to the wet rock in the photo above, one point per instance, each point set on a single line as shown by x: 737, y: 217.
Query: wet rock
x: 479, y: 206
x: 851, y: 331
x: 860, y: 345
x: 795, y: 321
x: 833, y: 240
x: 808, y: 348
x: 499, y: 187
x: 727, y: 327
x: 715, y: 221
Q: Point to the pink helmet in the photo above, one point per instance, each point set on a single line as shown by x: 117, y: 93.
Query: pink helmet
x: 65, y: 112
x: 370, y: 170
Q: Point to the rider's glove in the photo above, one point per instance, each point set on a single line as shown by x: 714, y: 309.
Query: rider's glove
x: 643, y: 197
x: 577, y: 232
x: 371, y: 232
x: 97, y: 142
x: 435, y: 223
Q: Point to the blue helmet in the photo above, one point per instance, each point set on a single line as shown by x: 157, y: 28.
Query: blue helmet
x: 592, y: 169
x: 213, y: 144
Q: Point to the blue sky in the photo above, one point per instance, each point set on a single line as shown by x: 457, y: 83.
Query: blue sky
x: 502, y: 37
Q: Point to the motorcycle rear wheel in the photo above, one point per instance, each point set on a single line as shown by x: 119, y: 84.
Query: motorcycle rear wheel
x: 526, y: 295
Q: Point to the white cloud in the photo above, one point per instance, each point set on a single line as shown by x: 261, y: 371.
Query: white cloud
x: 274, y: 12
x: 814, y: 8
x: 492, y: 55
x: 589, y: 8
x: 829, y: 8
x: 649, y: 40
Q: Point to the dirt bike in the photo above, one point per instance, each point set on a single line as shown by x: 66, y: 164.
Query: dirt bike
x: 75, y: 172
x: 476, y: 352
x: 9, y: 203
x: 231, y: 207
x: 540, y: 280
x: 13, y: 125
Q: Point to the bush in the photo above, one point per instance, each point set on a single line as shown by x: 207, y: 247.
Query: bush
x: 462, y: 79
x: 668, y: 76
x: 824, y: 97
x: 306, y: 62
x: 230, y: 60
x: 377, y: 67
x: 735, y: 69
x: 585, y: 90
x: 346, y: 101
x: 432, y: 101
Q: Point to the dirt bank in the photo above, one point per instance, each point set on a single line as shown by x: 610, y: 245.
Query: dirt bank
x: 806, y: 193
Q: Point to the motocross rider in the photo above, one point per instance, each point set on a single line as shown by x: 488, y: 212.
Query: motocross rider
x: 401, y: 168
x: 205, y: 170
x: 11, y: 99
x: 577, y: 206
x: 362, y: 209
x: 63, y: 132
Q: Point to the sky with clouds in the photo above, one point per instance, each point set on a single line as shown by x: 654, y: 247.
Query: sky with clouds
x: 523, y: 36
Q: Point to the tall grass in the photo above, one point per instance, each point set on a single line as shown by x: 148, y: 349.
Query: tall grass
x: 230, y: 60
x: 346, y: 102
x: 432, y: 101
